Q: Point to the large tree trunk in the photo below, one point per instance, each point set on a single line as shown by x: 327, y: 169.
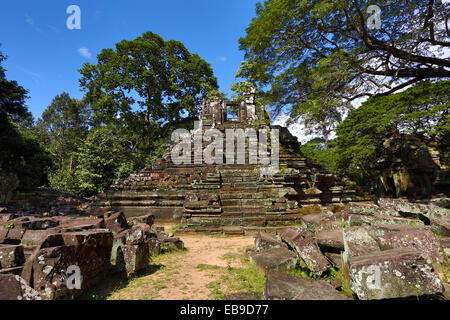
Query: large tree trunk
x: 149, y: 127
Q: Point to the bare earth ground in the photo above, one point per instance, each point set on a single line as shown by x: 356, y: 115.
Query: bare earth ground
x: 211, y: 266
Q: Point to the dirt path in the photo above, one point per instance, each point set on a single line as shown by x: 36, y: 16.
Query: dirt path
x: 210, y: 267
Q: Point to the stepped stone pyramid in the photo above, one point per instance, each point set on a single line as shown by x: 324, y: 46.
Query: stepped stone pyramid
x: 219, y: 197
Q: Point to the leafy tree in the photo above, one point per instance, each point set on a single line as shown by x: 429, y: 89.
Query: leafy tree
x: 317, y: 56
x: 161, y: 77
x: 62, y: 128
x: 422, y: 111
x: 21, y: 156
x: 97, y: 160
x: 12, y: 97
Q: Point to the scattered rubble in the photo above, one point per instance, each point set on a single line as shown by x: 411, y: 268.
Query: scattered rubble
x: 393, y: 249
x: 390, y: 253
x: 47, y: 252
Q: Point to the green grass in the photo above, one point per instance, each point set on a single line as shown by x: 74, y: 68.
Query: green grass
x: 231, y: 280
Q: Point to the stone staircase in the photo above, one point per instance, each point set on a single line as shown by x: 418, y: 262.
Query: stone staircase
x: 233, y: 198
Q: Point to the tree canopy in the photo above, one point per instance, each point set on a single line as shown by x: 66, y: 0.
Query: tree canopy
x: 162, y: 78
x: 63, y: 126
x: 421, y: 111
x: 23, y: 162
x: 319, y: 55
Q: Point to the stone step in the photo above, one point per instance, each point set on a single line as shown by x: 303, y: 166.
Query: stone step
x: 201, y: 204
x: 146, y: 203
x: 239, y: 195
x: 203, y: 210
x: 246, y: 202
x: 240, y: 179
x: 243, y: 208
x: 144, y: 196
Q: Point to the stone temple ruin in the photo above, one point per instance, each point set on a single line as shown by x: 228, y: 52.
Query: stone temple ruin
x: 384, y: 249
x: 232, y: 198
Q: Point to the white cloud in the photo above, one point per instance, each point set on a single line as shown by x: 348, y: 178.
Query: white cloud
x: 297, y: 129
x: 221, y: 59
x: 29, y: 20
x: 84, y: 52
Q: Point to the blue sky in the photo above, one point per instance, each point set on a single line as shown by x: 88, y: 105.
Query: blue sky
x: 44, y: 56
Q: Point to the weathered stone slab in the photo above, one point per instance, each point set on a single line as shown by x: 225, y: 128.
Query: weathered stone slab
x: 362, y: 209
x: 265, y: 241
x: 171, y: 244
x: 42, y: 238
x: 33, y: 223
x: 51, y: 240
x: 116, y: 222
x: 14, y: 236
x: 331, y: 240
x: 11, y: 256
x: 395, y: 273
x: 46, y: 269
x: 3, y: 234
x: 419, y: 238
x: 133, y: 258
x: 148, y: 219
x: 233, y: 231
x: 13, y: 287
x: 397, y: 206
x: 136, y: 235
x: 281, y: 259
x: 441, y: 226
x: 311, y: 255
x: 358, y: 242
x: 288, y: 235
x: 335, y: 259
x: 408, y: 209
x: 118, y: 241
x: 82, y: 223
x: 360, y: 220
x: 282, y: 286
x: 154, y: 246
x: 302, y: 242
x: 318, y: 221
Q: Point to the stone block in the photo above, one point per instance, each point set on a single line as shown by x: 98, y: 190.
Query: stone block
x: 395, y: 273
x: 13, y: 287
x: 281, y: 259
x: 11, y: 256
x: 265, y: 241
x: 282, y: 286
x: 331, y: 240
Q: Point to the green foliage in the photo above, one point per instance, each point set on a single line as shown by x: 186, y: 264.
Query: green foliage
x: 422, y: 111
x: 20, y: 154
x: 12, y: 97
x: 320, y: 152
x: 62, y: 128
x: 162, y: 78
x: 317, y: 56
x: 98, y: 158
x: 64, y: 180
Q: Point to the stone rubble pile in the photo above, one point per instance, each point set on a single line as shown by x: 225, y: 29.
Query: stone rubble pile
x: 392, y: 249
x: 37, y: 252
